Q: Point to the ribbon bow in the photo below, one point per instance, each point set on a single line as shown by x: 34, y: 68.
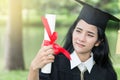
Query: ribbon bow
x: 53, y: 38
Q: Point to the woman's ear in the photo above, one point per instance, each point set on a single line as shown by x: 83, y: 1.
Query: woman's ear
x: 97, y: 43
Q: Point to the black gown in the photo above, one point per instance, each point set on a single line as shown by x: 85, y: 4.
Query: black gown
x: 61, y: 71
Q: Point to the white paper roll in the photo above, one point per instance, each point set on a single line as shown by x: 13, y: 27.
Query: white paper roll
x: 51, y: 18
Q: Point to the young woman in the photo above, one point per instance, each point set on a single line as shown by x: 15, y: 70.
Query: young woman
x: 87, y: 43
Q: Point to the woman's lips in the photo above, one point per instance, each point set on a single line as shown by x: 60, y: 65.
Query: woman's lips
x: 80, y: 44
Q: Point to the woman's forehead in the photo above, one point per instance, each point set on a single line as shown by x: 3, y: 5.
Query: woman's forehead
x: 84, y: 25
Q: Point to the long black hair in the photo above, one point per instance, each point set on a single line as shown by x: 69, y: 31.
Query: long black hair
x: 101, y: 52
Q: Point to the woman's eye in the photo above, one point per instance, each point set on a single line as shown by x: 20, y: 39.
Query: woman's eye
x: 90, y: 35
x: 78, y: 31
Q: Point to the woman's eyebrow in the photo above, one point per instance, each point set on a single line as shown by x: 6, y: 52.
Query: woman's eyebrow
x: 91, y: 32
x: 79, y: 28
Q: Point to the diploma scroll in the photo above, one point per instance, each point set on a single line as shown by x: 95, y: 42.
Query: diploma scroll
x: 51, y: 18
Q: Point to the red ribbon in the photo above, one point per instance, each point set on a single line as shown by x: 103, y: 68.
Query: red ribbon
x: 53, y: 38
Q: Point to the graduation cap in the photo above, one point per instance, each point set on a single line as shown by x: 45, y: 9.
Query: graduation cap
x: 95, y: 16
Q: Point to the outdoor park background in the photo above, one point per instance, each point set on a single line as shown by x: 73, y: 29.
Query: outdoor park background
x: 21, y: 31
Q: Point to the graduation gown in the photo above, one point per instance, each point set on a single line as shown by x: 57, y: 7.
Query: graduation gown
x: 61, y: 70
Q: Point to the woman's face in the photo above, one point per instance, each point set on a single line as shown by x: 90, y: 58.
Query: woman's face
x: 84, y: 37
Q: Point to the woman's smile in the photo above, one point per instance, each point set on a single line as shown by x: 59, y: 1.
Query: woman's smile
x: 81, y: 45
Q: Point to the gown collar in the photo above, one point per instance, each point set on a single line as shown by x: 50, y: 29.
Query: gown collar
x: 75, y: 61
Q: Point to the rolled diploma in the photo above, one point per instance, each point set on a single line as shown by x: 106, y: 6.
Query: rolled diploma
x: 51, y: 18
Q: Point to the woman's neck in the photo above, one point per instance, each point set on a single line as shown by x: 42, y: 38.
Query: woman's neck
x: 84, y: 56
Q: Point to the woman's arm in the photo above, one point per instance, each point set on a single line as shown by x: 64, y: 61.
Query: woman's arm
x: 33, y: 74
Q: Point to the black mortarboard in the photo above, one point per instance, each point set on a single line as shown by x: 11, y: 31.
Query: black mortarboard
x: 95, y: 16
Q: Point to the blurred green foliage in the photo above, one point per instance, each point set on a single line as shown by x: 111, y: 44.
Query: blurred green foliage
x: 66, y: 10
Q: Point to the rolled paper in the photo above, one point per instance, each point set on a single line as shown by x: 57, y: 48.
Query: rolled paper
x: 52, y: 38
x: 51, y: 18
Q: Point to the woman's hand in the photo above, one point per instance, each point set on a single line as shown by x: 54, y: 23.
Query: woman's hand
x: 43, y: 57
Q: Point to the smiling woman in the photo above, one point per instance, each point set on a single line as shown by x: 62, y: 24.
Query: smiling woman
x: 87, y: 44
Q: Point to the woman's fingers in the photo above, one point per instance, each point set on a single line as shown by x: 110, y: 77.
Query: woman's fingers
x: 44, y: 56
x: 43, y: 61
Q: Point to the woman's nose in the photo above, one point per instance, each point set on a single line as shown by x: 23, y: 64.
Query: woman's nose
x: 82, y: 37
